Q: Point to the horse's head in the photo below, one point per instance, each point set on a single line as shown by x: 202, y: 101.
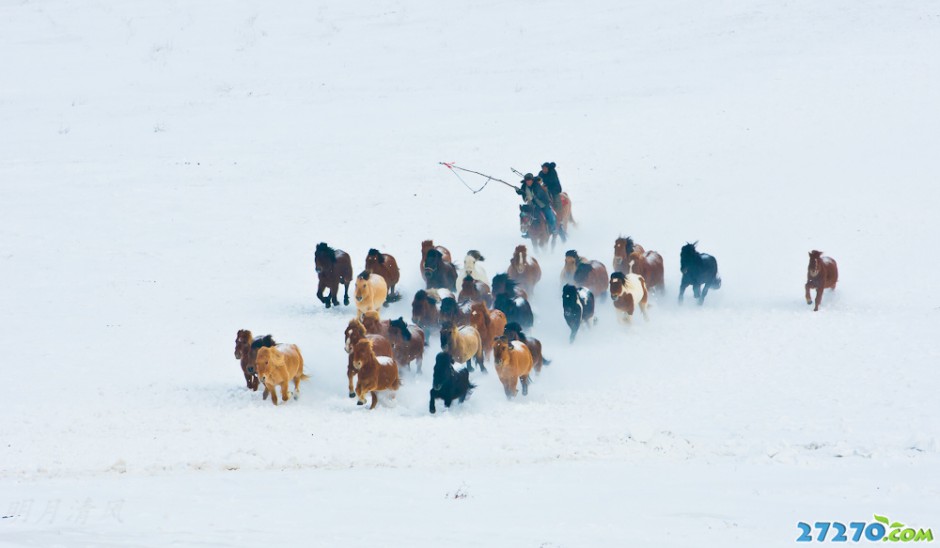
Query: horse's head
x: 373, y: 259
x: 470, y: 261
x: 571, y: 260
x: 324, y: 257
x: 468, y: 285
x: 501, y: 346
x: 362, y: 353
x: 433, y: 261
x: 443, y: 370
x: 267, y: 359
x: 623, y: 247
x: 354, y: 332
x: 569, y: 294
x: 400, y: 328
x: 513, y: 332
x: 688, y: 257
x: 421, y: 306
x: 363, y: 287
x: 519, y: 257
x: 448, y: 329
x: 617, y: 281
x: 815, y: 263
x: 242, y: 343
x: 372, y: 321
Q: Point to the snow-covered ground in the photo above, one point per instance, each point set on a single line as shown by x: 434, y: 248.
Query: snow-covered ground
x: 168, y: 168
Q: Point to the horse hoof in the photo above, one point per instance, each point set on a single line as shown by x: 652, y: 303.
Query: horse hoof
x: 360, y: 403
x: 352, y: 394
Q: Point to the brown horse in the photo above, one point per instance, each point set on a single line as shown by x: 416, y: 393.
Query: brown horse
x: 513, y: 332
x: 623, y: 249
x: 489, y: 323
x: 425, y: 311
x: 246, y: 350
x: 525, y: 272
x: 513, y: 364
x: 333, y: 268
x: 463, y: 344
x: 822, y: 273
x: 533, y: 225
x: 407, y: 343
x: 582, y: 272
x: 356, y: 332
x: 649, y: 265
x: 375, y: 324
x: 563, y: 214
x: 386, y: 266
x: 375, y: 373
x: 475, y: 291
x: 428, y: 245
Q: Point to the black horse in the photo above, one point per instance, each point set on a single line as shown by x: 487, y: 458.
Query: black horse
x: 516, y: 309
x: 698, y: 269
x: 449, y: 385
x: 334, y: 267
x: 452, y: 311
x: 578, y: 304
x: 504, y: 285
x: 439, y: 273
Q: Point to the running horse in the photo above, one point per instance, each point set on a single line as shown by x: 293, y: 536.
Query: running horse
x: 333, y: 268
x: 532, y: 223
x: 822, y: 273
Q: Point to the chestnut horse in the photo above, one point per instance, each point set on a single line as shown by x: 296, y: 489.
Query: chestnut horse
x: 375, y: 373
x: 475, y: 291
x: 463, y: 344
x: 439, y: 273
x: 356, y: 332
x: 582, y: 272
x: 490, y: 324
x: 513, y: 332
x: 629, y: 291
x: 386, y: 266
x: 375, y: 324
x: 407, y: 343
x: 513, y: 364
x: 371, y: 292
x: 822, y: 273
x: 533, y: 225
x: 428, y: 245
x: 246, y: 350
x: 523, y: 271
x: 333, y: 268
x: 623, y: 249
x: 649, y: 265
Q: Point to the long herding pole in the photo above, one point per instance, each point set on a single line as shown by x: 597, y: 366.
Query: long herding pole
x: 452, y: 166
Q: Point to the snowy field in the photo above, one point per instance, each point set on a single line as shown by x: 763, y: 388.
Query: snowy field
x: 167, y: 169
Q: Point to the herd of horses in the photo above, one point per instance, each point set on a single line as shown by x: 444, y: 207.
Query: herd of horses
x: 484, y: 320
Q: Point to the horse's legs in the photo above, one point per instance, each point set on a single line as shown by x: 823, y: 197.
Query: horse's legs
x: 682, y: 287
x: 273, y: 395
x: 819, y: 292
x: 431, y: 405
x: 525, y: 385
x: 705, y: 287
x: 420, y: 360
x: 345, y: 296
x: 320, y: 287
x: 296, y: 387
x: 643, y: 306
x: 470, y: 364
x: 266, y: 392
x: 809, y: 300
x: 350, y: 373
x: 480, y: 359
x: 285, y: 391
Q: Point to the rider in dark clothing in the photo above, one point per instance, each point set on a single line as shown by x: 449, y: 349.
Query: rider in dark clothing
x: 552, y: 184
x: 532, y: 191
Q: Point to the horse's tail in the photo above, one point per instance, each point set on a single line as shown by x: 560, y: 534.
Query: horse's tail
x: 717, y: 283
x: 304, y: 376
x: 546, y: 361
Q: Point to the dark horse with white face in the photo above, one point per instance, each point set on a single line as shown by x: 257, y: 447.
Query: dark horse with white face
x: 439, y: 273
x: 333, y: 268
x: 698, y: 270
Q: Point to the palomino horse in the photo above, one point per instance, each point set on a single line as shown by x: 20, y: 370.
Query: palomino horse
x: 428, y: 245
x: 513, y: 364
x: 698, y: 269
x: 386, y: 266
x: 490, y: 324
x: 375, y: 373
x: 246, y: 350
x: 472, y: 266
x: 277, y: 366
x: 822, y: 273
x: 356, y: 332
x: 333, y: 268
x: 463, y: 344
x: 449, y: 385
x: 513, y: 332
x: 475, y: 291
x: 582, y: 272
x: 407, y: 343
x: 623, y: 249
x: 524, y: 271
x: 371, y: 292
x: 438, y: 272
x: 649, y: 265
x: 629, y: 291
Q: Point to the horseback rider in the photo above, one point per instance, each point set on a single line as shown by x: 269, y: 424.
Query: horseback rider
x: 552, y: 184
x: 532, y: 191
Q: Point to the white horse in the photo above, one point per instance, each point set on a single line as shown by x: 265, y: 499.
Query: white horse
x: 473, y: 268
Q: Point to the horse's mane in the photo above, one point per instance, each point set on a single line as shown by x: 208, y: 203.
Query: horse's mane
x: 582, y: 272
x: 619, y: 276
x: 517, y: 329
x: 468, y: 279
x: 401, y: 326
x: 510, y: 283
x: 379, y: 258
x: 364, y: 275
x: 476, y: 255
x: 434, y: 253
x: 422, y: 295
x: 326, y: 251
x: 572, y: 253
x: 260, y: 342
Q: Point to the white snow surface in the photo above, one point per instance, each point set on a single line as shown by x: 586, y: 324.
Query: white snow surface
x: 167, y: 169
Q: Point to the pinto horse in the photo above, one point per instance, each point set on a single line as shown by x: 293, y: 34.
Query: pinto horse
x: 584, y: 273
x: 516, y: 309
x: 333, y: 268
x: 475, y: 291
x: 386, y: 266
x: 822, y: 273
x: 371, y: 292
x: 578, y: 306
x: 428, y: 245
x: 513, y: 332
x: 649, y: 265
x: 629, y: 291
x: 438, y: 272
x: 449, y: 385
x: 524, y: 271
x: 698, y: 269
x: 356, y: 332
x: 472, y: 266
x: 623, y: 249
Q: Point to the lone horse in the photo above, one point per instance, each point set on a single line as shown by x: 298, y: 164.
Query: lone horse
x: 333, y: 268
x: 698, y: 269
x: 822, y: 273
